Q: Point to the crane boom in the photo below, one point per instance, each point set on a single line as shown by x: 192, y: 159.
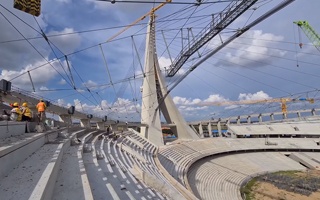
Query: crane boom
x: 151, y: 12
x: 283, y: 102
x: 310, y: 33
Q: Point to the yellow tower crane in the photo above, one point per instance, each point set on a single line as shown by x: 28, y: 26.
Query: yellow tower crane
x: 151, y: 12
x: 283, y: 102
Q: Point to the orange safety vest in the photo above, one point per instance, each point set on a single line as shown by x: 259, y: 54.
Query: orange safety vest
x: 41, y: 106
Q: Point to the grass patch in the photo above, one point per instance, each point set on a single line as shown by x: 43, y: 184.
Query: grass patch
x: 247, y: 189
x: 288, y: 173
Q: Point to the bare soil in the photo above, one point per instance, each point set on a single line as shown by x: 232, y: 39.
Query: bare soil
x: 267, y: 191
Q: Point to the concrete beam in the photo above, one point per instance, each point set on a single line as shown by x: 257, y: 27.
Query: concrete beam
x: 15, y: 96
x: 66, y: 118
x: 85, y: 123
x: 101, y: 125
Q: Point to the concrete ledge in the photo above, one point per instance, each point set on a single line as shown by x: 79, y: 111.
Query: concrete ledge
x: 45, y: 186
x: 30, y: 179
x: 186, y: 193
x: 133, y: 153
x: 10, y: 128
x: 300, y: 158
x: 31, y: 127
x: 13, y: 154
x: 153, y: 182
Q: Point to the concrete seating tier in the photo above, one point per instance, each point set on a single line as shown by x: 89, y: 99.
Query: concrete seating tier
x: 302, y: 128
x: 72, y: 181
x: 177, y: 162
x: 228, y: 172
x: 34, y: 160
x: 120, y: 172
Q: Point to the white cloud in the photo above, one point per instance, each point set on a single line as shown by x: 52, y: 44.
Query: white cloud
x: 62, y: 82
x: 190, y: 108
x: 185, y: 101
x: 80, y: 90
x: 67, y: 41
x: 215, y: 98
x: 43, y: 88
x: 90, y: 84
x: 254, y: 51
x: 125, y: 106
x: 61, y: 102
x: 164, y: 63
x: 256, y: 96
x: 40, y: 76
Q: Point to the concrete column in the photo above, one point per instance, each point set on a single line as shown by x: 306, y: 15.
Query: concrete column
x: 201, y: 130
x: 249, y: 119
x: 50, y: 122
x: 313, y: 112
x: 85, y: 123
x: 193, y: 128
x: 227, y: 122
x: 238, y: 120
x: 66, y: 118
x: 114, y: 127
x: 101, y: 126
x: 284, y: 115
x: 260, y: 117
x: 272, y: 117
x: 219, y: 128
x: 210, y: 129
x: 299, y: 115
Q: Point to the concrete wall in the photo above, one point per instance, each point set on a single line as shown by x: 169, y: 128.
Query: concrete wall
x: 9, y: 128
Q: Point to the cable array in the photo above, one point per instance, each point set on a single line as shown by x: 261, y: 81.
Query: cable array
x: 176, y: 26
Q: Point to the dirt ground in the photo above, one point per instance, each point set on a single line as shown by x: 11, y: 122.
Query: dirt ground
x: 267, y: 191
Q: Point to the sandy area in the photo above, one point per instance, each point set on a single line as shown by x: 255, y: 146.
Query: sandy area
x: 267, y: 191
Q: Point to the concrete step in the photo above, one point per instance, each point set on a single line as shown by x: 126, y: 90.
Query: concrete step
x: 16, y: 149
x: 305, y: 160
x: 72, y: 181
x: 35, y: 177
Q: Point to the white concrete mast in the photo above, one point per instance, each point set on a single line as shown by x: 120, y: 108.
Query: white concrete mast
x: 153, y: 89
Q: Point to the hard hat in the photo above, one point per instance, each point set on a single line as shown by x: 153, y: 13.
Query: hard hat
x: 15, y: 104
x: 41, y: 99
x: 24, y: 104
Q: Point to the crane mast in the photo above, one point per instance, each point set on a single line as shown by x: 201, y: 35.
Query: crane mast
x: 310, y: 33
x: 151, y: 12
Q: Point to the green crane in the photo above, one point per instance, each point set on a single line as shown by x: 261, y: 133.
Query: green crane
x: 310, y: 33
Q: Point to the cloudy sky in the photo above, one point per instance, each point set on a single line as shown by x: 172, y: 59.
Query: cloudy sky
x: 79, y: 66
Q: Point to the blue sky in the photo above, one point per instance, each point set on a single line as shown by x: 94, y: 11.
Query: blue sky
x: 260, y: 64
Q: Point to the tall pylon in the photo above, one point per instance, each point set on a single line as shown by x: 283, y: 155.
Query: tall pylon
x: 153, y: 91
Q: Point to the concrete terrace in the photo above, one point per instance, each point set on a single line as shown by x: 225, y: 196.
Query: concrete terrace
x: 194, y: 165
x: 86, y: 163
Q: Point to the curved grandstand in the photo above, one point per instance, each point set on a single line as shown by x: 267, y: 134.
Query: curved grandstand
x: 78, y: 163
x: 74, y: 154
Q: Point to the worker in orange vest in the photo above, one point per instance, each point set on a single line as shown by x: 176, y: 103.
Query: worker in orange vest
x: 41, y: 106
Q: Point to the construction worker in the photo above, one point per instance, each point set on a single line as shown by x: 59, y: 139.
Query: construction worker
x: 41, y: 106
x: 26, y: 112
x: 16, y: 114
